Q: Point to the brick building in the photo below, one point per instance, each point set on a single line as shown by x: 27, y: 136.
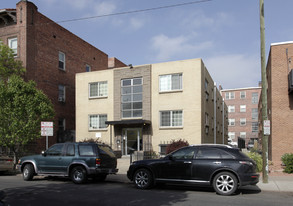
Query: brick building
x: 242, y: 114
x: 280, y: 101
x: 52, y: 56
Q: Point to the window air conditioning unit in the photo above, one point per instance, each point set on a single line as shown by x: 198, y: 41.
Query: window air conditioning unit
x: 290, y: 82
x: 61, y: 99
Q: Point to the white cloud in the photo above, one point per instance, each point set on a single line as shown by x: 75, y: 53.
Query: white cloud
x: 136, y: 23
x: 235, y: 70
x: 103, y: 7
x: 167, y: 48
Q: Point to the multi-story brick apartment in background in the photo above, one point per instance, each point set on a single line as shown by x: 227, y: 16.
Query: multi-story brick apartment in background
x: 280, y: 101
x: 143, y: 108
x: 52, y: 56
x: 242, y: 114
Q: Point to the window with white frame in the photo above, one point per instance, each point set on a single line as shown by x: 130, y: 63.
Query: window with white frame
x: 242, y: 95
x: 88, y: 68
x: 98, y: 89
x: 254, y: 99
x: 243, y: 135
x: 231, y: 135
x: 171, y: 118
x: 170, y: 82
x: 97, y: 121
x: 12, y: 43
x: 61, y: 61
x: 242, y: 121
x: 254, y: 127
x: 254, y: 114
x: 131, y: 97
x: 230, y: 95
x: 231, y: 108
x: 242, y: 108
x: 61, y: 93
x: 231, y: 122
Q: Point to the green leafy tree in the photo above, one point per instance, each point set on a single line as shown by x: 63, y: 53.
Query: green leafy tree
x: 8, y: 64
x: 23, y: 107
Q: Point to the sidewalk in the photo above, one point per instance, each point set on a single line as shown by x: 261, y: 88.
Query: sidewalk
x: 276, y: 183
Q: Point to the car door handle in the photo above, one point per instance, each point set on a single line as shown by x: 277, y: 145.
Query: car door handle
x: 187, y: 162
x: 217, y: 163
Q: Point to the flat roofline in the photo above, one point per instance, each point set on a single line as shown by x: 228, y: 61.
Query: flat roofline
x: 281, y: 43
x: 246, y: 88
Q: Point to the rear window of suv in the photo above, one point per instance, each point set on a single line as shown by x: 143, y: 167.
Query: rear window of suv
x: 106, y: 150
x: 86, y: 150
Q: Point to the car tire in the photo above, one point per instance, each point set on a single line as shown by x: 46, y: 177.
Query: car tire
x: 225, y: 183
x: 143, y: 179
x: 28, y: 172
x: 78, y: 175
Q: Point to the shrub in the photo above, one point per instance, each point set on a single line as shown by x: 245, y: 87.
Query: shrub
x: 257, y: 158
x: 176, y: 145
x: 288, y: 162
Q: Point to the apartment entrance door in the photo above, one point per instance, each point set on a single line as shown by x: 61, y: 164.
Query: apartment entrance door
x: 131, y: 140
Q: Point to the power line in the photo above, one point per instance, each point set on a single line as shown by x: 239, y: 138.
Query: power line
x: 134, y: 11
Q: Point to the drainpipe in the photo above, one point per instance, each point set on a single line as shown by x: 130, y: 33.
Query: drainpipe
x: 215, y: 112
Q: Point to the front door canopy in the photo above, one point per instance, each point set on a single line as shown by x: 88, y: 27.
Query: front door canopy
x: 129, y: 122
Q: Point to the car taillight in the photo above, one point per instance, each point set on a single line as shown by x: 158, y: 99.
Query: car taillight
x: 245, y: 162
x: 98, y: 162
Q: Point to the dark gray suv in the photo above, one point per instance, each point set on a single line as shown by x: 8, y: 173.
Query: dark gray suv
x: 75, y: 160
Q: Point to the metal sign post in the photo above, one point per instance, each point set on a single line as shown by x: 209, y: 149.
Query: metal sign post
x: 47, y: 130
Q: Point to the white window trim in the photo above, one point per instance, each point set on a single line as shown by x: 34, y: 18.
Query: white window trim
x: 10, y: 40
x: 230, y: 110
x: 174, y: 90
x: 244, y: 95
x: 242, y: 108
x: 63, y: 97
x: 96, y: 129
x: 230, y: 121
x: 64, y: 62
x: 171, y: 127
x: 98, y: 96
x: 88, y: 66
x: 243, y: 120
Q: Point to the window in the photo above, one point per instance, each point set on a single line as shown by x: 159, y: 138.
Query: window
x: 61, y: 93
x: 170, y: 82
x: 88, y: 68
x: 243, y: 135
x: 97, y: 122
x: 242, y: 108
x: 55, y: 150
x: 186, y: 153
x: 254, y: 114
x: 61, y: 61
x: 230, y: 95
x: 242, y: 121
x: 163, y: 149
x: 98, y: 89
x: 212, y: 153
x: 171, y: 118
x: 70, y: 150
x: 86, y: 150
x: 12, y: 43
x: 242, y: 95
x: 231, y: 122
x: 254, y: 127
x: 131, y: 98
x: 231, y: 109
x: 254, y: 99
x: 231, y: 135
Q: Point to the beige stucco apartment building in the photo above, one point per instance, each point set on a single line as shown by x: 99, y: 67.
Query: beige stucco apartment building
x: 143, y: 108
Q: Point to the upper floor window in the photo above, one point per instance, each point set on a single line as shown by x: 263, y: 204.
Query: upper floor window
x: 242, y: 121
x: 254, y: 114
x: 242, y: 108
x: 98, y: 89
x: 231, y: 122
x: 242, y: 95
x: 254, y: 98
x: 230, y: 95
x: 254, y: 127
x: 231, y: 135
x: 243, y: 135
x: 12, y: 43
x: 231, y: 108
x: 171, y: 118
x: 61, y: 60
x: 61, y: 93
x: 97, y: 122
x: 170, y: 82
x: 88, y: 68
x: 131, y: 97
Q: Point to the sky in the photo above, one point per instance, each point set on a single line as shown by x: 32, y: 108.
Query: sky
x: 225, y: 34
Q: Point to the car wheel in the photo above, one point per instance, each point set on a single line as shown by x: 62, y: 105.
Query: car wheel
x: 28, y: 172
x: 143, y: 179
x: 78, y: 175
x: 225, y: 183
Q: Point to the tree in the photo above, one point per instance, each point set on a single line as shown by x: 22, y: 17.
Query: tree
x: 174, y: 145
x: 8, y: 64
x: 23, y: 107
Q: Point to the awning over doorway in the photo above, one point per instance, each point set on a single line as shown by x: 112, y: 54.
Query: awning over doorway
x: 129, y: 122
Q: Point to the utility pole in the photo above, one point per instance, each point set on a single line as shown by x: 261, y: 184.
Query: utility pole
x: 264, y: 93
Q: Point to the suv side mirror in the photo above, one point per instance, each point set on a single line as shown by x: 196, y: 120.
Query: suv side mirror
x: 44, y: 153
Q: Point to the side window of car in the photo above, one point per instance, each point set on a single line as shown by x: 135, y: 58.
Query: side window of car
x: 55, y: 150
x: 86, y: 150
x: 70, y: 150
x: 186, y: 153
x: 208, y: 153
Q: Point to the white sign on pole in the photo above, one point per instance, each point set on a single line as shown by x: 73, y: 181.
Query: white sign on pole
x: 46, y: 128
x: 266, y: 127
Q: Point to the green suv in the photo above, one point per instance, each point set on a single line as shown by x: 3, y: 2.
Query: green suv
x: 75, y: 160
